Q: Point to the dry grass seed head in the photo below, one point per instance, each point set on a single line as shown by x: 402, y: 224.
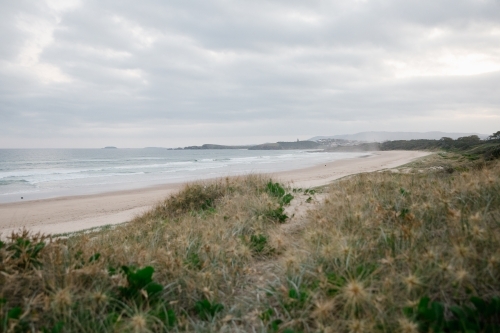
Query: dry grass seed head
x: 461, y: 275
x: 407, y: 326
x: 355, y: 293
x: 329, y: 251
x: 138, y: 323
x: 62, y: 299
x: 429, y: 255
x: 388, y: 260
x: 99, y: 298
x: 478, y: 232
x: 462, y: 250
x: 292, y: 262
x: 446, y: 267
x: 357, y: 326
x: 278, y: 241
x: 412, y: 281
x: 323, y: 310
x: 476, y: 218
x: 454, y: 214
x: 494, y: 261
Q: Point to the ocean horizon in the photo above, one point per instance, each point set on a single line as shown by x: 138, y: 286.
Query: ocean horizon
x: 33, y: 174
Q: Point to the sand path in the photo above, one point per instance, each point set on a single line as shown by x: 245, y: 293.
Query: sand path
x: 69, y: 214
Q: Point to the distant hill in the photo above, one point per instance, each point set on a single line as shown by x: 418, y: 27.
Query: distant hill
x: 286, y: 145
x: 365, y: 146
x: 264, y: 146
x: 212, y: 146
x: 390, y: 136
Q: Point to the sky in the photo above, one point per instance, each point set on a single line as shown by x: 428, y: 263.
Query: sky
x: 78, y: 73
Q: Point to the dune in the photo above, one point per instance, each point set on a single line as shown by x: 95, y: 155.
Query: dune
x: 69, y: 214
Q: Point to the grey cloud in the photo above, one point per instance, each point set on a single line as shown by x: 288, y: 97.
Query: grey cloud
x: 266, y: 67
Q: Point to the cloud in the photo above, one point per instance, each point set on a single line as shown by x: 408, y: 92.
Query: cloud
x: 187, y: 71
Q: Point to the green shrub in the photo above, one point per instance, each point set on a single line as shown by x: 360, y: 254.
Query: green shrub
x: 139, y: 280
x: 483, y: 316
x: 207, y: 310
x: 276, y: 215
x: 277, y: 191
x: 26, y: 252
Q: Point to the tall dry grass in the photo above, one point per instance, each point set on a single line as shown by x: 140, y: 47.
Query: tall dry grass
x: 200, y: 242
x: 363, y: 260
x: 381, y: 242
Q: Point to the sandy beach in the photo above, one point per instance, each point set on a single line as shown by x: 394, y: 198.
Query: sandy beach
x: 67, y: 214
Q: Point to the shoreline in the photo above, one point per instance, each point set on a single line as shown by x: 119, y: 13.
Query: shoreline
x: 74, y: 213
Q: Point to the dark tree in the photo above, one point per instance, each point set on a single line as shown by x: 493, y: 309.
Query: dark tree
x: 495, y: 136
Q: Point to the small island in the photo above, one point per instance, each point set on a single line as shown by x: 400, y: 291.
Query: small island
x: 110, y: 147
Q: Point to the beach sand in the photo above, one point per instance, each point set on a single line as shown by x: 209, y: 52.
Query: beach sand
x: 68, y: 214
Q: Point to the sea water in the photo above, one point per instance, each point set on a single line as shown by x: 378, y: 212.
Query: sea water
x: 46, y: 173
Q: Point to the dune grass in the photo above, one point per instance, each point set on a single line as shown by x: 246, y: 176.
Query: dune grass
x: 384, y: 252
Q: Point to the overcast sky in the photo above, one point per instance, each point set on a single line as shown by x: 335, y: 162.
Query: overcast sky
x: 176, y: 73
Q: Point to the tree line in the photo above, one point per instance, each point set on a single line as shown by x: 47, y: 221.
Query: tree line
x: 489, y: 148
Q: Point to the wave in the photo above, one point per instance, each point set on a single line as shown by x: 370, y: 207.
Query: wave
x: 13, y: 181
x: 84, y: 171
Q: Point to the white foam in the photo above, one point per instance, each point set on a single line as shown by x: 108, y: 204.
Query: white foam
x: 85, y: 169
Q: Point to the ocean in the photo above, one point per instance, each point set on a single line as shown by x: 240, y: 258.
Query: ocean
x: 47, y: 173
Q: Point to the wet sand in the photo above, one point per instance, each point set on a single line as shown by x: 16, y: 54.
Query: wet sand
x: 68, y: 214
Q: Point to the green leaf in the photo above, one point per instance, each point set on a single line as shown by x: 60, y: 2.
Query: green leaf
x: 216, y: 308
x: 458, y: 312
x: 143, y: 276
x: 287, y: 199
x: 258, y: 244
x: 495, y: 305
x: 292, y: 293
x: 275, y: 189
x: 479, y: 303
x: 438, y: 310
x: 94, y: 257
x: 113, y: 317
x: 206, y: 310
x: 408, y: 311
x: 172, y: 318
x: 167, y: 316
x: 336, y: 279
x: 138, y: 280
x: 275, y: 324
x: 153, y: 289
x: 266, y: 315
x: 423, y: 304
x: 57, y: 327
x: 14, y: 313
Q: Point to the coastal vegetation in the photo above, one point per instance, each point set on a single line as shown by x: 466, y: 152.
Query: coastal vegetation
x: 471, y: 146
x: 415, y: 249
